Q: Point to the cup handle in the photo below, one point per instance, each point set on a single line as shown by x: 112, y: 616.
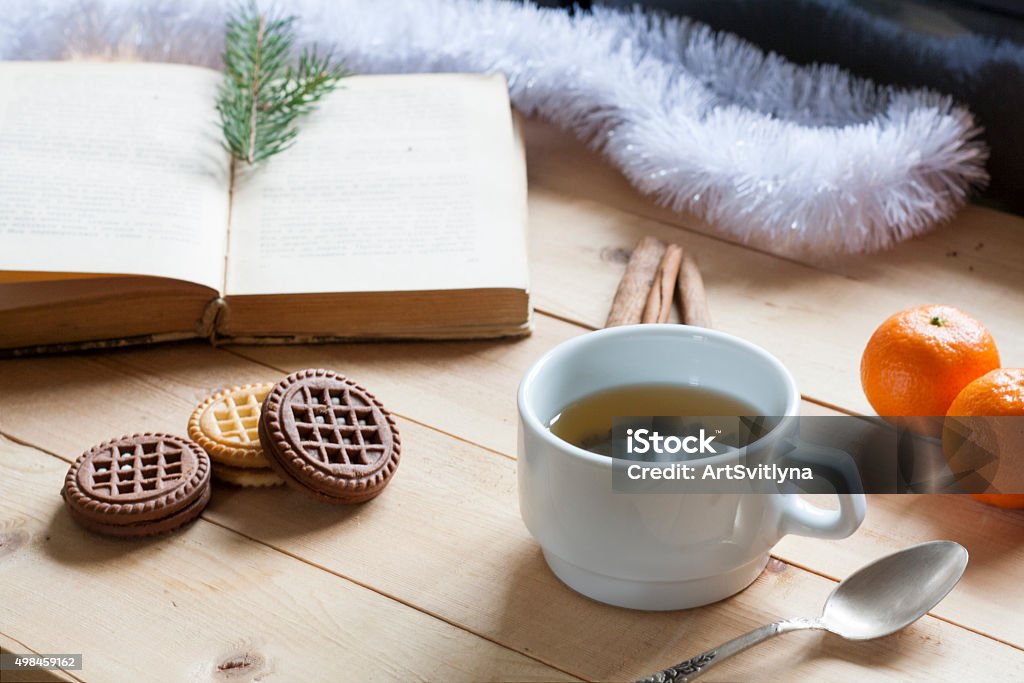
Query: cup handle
x: 804, y: 519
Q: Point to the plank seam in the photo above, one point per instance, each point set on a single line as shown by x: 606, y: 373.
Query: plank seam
x: 36, y: 652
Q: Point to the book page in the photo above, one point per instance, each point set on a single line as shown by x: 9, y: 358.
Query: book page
x: 396, y: 183
x: 112, y: 168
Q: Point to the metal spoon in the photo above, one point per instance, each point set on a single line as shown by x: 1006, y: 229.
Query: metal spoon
x: 876, y: 600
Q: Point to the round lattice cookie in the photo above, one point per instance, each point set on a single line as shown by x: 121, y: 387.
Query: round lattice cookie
x: 329, y: 437
x: 226, y: 425
x: 138, y: 485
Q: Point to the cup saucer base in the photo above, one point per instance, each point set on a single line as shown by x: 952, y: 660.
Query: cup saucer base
x: 655, y: 595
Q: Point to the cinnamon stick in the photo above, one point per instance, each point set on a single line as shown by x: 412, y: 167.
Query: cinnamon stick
x: 692, y: 299
x: 659, y: 299
x: 631, y: 295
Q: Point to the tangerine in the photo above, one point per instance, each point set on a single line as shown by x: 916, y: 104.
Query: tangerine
x: 998, y: 393
x: 918, y: 360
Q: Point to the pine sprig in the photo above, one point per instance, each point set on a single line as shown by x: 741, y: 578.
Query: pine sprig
x: 263, y: 92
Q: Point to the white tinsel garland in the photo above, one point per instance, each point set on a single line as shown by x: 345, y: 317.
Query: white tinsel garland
x: 798, y: 160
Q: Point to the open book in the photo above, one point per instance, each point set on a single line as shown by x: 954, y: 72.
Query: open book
x: 400, y: 212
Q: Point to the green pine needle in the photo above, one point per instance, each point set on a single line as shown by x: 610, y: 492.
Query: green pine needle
x: 263, y: 93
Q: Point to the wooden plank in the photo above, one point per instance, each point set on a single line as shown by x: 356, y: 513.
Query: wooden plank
x: 816, y: 322
x: 204, y: 603
x: 488, y: 574
x: 102, y: 395
x: 468, y: 387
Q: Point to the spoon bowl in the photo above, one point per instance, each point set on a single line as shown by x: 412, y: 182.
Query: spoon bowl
x: 894, y: 591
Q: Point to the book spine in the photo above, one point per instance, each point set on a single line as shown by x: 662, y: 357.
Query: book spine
x: 208, y: 324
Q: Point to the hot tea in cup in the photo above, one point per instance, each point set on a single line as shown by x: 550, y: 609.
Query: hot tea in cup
x: 657, y: 551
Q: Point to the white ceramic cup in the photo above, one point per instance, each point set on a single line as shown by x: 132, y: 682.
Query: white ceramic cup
x: 657, y: 551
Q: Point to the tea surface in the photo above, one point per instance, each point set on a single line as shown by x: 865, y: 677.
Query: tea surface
x: 587, y: 423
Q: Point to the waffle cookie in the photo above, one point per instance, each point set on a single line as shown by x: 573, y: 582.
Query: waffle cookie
x: 328, y: 437
x: 139, y: 485
x: 226, y: 425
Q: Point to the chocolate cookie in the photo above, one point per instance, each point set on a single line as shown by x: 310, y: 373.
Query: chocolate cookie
x: 328, y: 437
x: 138, y: 485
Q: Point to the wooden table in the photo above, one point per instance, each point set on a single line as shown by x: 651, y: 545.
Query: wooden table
x: 437, y: 579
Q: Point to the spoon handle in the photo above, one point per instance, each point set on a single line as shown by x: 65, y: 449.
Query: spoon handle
x: 683, y: 672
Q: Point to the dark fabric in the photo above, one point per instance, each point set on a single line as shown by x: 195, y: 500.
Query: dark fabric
x: 986, y: 73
